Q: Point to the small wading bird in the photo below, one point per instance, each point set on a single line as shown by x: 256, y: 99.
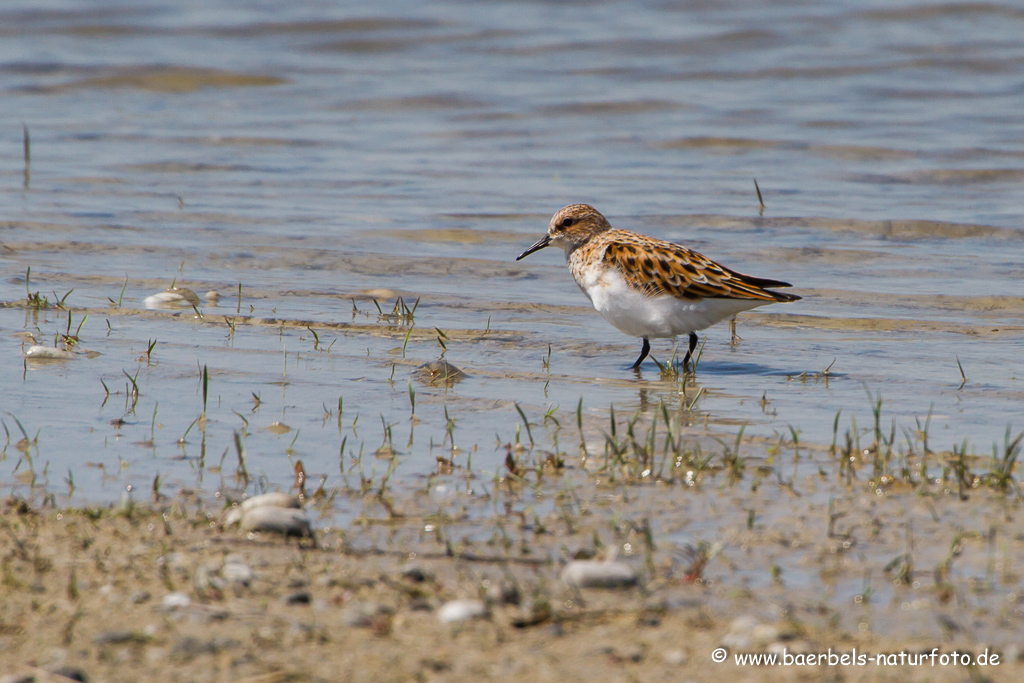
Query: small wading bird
x: 647, y: 287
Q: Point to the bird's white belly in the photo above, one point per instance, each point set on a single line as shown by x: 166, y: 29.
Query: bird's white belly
x: 639, y: 315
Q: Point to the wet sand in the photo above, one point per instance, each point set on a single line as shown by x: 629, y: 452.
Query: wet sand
x: 722, y: 553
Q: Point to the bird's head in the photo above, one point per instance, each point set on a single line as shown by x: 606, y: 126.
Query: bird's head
x: 570, y: 229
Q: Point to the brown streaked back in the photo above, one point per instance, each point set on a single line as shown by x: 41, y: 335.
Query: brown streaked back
x: 657, y: 267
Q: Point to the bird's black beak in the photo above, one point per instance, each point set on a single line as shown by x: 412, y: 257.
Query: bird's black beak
x: 536, y: 246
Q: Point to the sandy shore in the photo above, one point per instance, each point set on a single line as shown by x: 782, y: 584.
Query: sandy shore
x: 161, y: 592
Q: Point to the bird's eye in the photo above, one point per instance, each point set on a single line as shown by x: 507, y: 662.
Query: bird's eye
x: 567, y: 222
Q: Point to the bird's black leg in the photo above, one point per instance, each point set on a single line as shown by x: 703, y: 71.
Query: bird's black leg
x: 689, y: 351
x: 644, y: 350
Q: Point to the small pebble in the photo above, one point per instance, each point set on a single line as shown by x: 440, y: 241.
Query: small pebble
x: 416, y: 574
x: 207, y: 578
x: 648, y: 619
x: 300, y: 598
x: 212, y: 295
x: 633, y: 654
x: 119, y: 637
x: 285, y: 521
x: 594, y: 574
x: 531, y: 615
x: 420, y: 605
x: 236, y: 571
x: 503, y: 593
x: 71, y: 673
x: 461, y: 610
x: 439, y: 371
x: 174, y: 560
x: 175, y: 601
x: 363, y: 614
x: 188, y: 648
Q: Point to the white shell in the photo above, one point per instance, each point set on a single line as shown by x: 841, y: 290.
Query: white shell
x: 236, y: 571
x: 175, y: 601
x: 39, y: 352
x: 274, y: 499
x: 461, y: 610
x: 277, y: 499
x: 594, y: 574
x: 287, y: 521
x: 172, y: 298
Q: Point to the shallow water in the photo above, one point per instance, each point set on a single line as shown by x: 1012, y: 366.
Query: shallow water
x: 325, y: 156
x: 315, y: 153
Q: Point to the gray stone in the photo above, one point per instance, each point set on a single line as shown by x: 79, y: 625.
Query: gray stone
x: 594, y: 574
x: 462, y: 610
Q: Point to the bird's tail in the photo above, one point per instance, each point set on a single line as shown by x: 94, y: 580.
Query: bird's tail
x: 783, y: 297
x: 765, y: 284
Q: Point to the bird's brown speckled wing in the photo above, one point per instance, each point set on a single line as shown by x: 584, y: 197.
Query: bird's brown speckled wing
x: 656, y: 267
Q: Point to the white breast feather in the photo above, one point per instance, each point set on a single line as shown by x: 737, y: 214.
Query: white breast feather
x: 639, y: 315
